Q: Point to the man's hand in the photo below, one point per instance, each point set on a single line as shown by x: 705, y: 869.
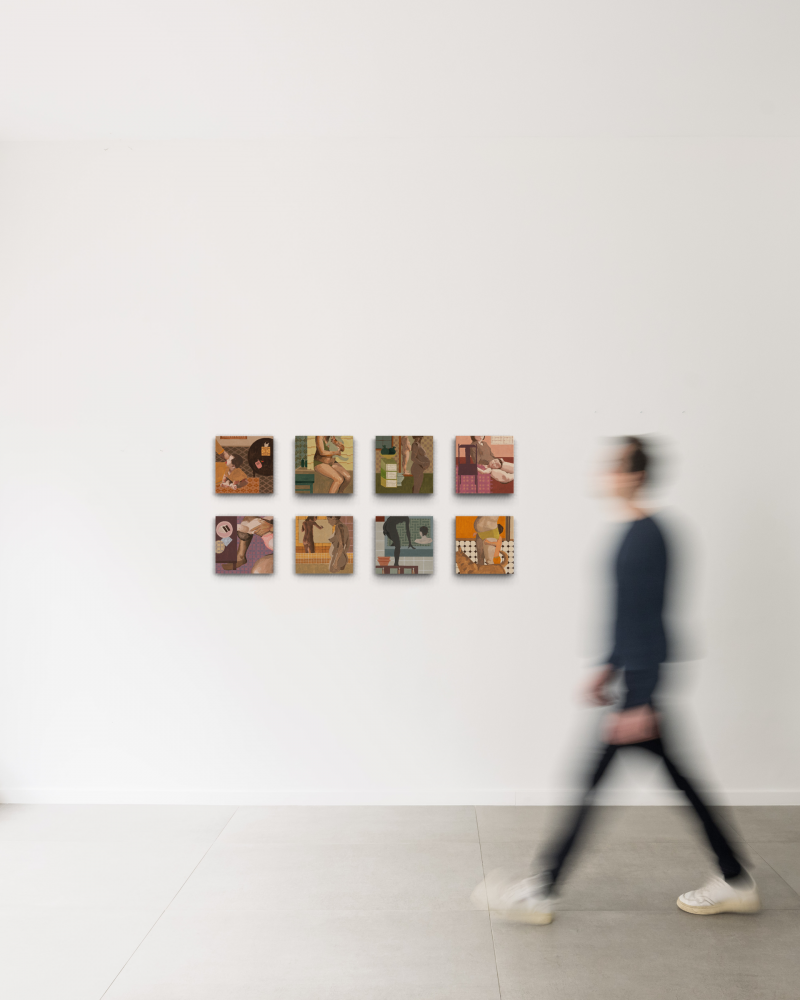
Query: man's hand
x: 596, y: 693
x: 635, y: 725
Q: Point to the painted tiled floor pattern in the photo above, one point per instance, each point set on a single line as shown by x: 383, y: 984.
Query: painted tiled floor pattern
x: 373, y: 903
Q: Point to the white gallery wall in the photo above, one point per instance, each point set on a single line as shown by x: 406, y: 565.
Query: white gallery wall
x: 272, y: 219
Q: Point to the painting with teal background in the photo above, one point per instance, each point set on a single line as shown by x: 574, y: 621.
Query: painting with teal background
x: 403, y: 545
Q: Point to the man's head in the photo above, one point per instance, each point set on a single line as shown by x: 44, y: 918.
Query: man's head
x: 629, y: 468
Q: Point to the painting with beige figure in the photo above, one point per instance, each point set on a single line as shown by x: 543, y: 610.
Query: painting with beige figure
x: 323, y: 545
x: 323, y: 463
x: 244, y: 544
x: 484, y: 546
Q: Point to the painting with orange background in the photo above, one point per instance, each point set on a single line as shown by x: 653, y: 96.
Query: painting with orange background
x: 484, y: 546
x: 244, y: 464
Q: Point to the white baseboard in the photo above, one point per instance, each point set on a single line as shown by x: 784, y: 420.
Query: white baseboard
x: 394, y: 797
x: 259, y: 797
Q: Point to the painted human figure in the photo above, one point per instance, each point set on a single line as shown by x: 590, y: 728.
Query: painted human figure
x: 234, y: 476
x: 498, y: 468
x: 390, y: 529
x: 245, y: 530
x: 264, y: 564
x: 327, y: 451
x: 423, y: 538
x: 338, y: 540
x: 405, y: 453
x: 308, y: 533
x: 419, y: 462
x: 488, y: 539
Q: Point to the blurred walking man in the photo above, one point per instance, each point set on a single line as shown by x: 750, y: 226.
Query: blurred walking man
x: 640, y: 647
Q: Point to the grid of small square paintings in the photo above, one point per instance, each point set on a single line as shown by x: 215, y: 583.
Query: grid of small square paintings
x: 324, y: 545
x: 403, y: 546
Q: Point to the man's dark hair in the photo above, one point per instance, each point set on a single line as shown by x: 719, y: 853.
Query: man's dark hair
x: 423, y: 530
x: 637, y: 459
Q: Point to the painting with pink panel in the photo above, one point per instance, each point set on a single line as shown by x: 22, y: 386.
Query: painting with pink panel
x: 485, y: 464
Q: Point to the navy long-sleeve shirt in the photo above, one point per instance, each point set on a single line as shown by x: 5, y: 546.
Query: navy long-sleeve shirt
x: 640, y: 642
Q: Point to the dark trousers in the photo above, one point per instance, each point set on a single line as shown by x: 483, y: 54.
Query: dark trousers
x: 560, y: 849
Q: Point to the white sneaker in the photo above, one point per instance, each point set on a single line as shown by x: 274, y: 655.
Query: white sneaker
x: 526, y: 900
x: 719, y: 896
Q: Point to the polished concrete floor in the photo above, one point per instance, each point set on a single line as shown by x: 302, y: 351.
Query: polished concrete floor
x: 373, y: 903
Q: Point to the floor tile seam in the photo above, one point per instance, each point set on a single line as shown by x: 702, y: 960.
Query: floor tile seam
x: 158, y: 918
x: 775, y: 871
x: 112, y: 841
x: 568, y: 909
x: 431, y: 911
x: 778, y: 843
x: 487, y: 911
x: 591, y: 844
x: 342, y: 843
x: 664, y: 909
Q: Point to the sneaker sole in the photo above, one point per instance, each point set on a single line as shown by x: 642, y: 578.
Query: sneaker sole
x: 729, y: 906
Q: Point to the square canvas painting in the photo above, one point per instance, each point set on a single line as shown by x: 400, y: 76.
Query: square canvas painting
x: 244, y: 544
x: 404, y: 463
x: 323, y: 545
x: 244, y: 464
x: 323, y: 463
x: 485, y: 464
x: 485, y: 546
x: 403, y: 546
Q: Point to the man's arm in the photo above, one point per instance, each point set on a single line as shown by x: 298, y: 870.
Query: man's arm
x: 597, y: 688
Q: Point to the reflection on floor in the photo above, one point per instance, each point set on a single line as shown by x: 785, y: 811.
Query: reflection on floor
x: 367, y: 902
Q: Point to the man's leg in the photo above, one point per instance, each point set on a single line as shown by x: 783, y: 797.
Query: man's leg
x: 729, y: 864
x: 556, y: 854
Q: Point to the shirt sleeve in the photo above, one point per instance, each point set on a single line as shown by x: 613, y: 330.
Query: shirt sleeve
x: 640, y: 680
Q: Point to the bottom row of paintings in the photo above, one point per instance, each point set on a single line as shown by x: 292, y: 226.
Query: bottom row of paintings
x: 403, y: 545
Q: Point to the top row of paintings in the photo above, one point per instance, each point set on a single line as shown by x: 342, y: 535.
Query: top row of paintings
x: 403, y: 464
